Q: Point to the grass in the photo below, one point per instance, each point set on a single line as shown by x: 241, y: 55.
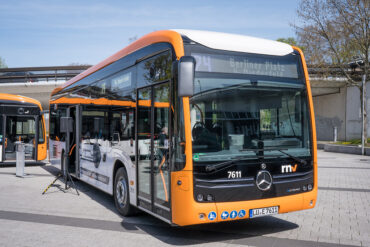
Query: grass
x: 354, y: 142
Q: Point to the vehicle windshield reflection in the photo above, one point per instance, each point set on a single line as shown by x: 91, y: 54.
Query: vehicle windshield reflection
x: 229, y: 115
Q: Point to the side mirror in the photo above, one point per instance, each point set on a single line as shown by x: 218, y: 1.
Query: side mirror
x: 186, y: 71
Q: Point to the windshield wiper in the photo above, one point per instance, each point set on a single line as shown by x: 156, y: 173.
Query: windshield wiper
x: 277, y: 149
x: 211, y: 168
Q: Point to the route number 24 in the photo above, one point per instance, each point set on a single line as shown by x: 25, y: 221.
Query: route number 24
x: 234, y: 174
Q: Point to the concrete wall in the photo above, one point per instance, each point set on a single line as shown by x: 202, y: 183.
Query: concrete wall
x: 330, y: 112
x: 353, y: 118
x: 343, y: 110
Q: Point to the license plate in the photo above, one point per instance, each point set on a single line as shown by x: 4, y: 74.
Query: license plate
x: 257, y: 212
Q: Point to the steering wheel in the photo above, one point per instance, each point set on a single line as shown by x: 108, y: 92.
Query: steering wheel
x: 197, y: 129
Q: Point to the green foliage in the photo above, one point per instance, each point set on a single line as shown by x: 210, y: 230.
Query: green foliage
x: 353, y: 142
x: 291, y: 41
x: 2, y: 63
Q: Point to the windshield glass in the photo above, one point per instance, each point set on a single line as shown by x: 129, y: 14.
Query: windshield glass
x: 230, y: 116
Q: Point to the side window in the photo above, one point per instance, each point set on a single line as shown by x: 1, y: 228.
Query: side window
x: 123, y: 123
x: 41, y: 131
x: 154, y: 69
x: 54, y: 129
x: 1, y: 128
x: 95, y: 123
x: 113, y: 87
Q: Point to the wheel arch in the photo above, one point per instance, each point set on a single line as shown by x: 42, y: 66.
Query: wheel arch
x: 118, y: 163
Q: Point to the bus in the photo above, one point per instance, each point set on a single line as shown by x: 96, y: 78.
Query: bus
x: 192, y: 127
x: 21, y: 119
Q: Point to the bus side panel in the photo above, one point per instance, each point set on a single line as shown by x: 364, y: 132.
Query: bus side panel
x: 96, y: 164
x: 41, y: 151
x: 42, y: 148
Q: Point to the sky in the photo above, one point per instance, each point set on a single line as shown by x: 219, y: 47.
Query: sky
x: 55, y: 32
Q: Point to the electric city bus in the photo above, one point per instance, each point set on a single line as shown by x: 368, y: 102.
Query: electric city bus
x: 21, y: 119
x: 192, y: 127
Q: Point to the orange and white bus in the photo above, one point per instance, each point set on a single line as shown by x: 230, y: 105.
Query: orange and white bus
x: 192, y: 127
x: 21, y: 119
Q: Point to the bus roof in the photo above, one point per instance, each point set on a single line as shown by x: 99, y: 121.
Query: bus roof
x: 19, y: 98
x: 216, y: 40
x: 236, y: 42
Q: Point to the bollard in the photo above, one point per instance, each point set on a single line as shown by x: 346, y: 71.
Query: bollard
x: 20, y: 159
x: 335, y: 134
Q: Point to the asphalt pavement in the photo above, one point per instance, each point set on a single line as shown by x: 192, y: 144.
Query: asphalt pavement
x: 62, y: 218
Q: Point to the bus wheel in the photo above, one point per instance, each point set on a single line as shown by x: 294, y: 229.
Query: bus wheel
x: 121, y: 193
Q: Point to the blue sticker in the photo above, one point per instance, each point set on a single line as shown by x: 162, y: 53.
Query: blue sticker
x: 224, y: 215
x: 212, y: 215
x: 233, y: 214
x: 241, y: 213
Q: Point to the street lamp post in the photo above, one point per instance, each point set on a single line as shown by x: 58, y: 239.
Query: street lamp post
x: 363, y: 114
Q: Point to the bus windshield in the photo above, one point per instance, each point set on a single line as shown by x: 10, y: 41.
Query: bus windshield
x: 230, y: 117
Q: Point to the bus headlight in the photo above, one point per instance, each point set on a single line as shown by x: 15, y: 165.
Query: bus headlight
x: 200, y: 197
x: 209, y: 198
x: 309, y: 187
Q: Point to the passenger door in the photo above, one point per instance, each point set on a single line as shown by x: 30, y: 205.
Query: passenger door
x: 153, y: 116
x: 2, y: 137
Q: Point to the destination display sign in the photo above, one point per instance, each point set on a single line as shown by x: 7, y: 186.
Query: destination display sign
x: 286, y: 67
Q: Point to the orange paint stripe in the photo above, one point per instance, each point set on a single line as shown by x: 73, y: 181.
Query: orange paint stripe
x: 163, y: 181
x: 166, y: 36
x: 313, y: 124
x: 101, y: 101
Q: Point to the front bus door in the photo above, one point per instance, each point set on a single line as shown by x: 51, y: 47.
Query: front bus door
x: 2, y: 137
x: 72, y: 140
x: 153, y: 128
x: 20, y: 128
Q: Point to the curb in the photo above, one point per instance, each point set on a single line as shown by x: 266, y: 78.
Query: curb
x: 343, y: 149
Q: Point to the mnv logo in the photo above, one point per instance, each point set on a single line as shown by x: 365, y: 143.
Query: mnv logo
x: 288, y: 168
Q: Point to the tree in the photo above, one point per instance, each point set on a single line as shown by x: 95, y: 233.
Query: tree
x: 336, y: 32
x: 2, y: 63
x: 291, y: 41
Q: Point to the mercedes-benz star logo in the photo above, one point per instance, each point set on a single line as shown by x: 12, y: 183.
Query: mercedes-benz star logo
x: 263, y: 180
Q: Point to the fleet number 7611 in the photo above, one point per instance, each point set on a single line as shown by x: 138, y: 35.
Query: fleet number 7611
x: 234, y: 174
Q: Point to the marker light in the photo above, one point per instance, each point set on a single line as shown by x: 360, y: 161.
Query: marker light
x: 304, y: 188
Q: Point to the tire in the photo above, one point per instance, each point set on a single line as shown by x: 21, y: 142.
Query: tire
x: 121, y: 193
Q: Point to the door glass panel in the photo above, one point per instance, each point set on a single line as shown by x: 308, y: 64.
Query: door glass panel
x: 1, y: 138
x: 144, y: 142
x: 160, y: 154
x: 20, y: 129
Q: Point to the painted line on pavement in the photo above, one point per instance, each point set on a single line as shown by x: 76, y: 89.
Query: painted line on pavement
x: 344, y: 189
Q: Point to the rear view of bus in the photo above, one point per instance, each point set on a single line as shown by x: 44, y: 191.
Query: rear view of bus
x: 21, y: 120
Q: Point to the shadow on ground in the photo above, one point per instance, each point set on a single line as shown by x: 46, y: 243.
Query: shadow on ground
x: 146, y: 224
